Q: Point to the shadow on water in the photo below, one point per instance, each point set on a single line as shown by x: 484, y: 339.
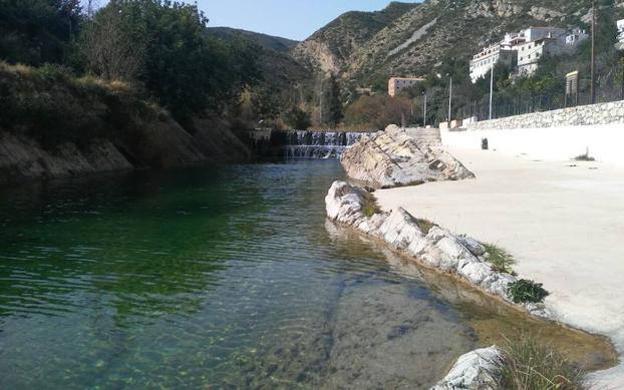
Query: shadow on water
x: 224, y: 278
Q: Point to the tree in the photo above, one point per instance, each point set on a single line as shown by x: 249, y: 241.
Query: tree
x: 34, y: 32
x: 334, y: 102
x: 265, y: 104
x: 298, y: 119
x: 109, y: 48
x: 378, y: 111
x: 184, y: 69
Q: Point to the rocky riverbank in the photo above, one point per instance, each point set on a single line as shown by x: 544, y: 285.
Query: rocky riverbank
x: 393, y: 158
x: 431, y: 245
x: 436, y: 248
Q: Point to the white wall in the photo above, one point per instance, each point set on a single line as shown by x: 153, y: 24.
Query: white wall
x: 605, y: 142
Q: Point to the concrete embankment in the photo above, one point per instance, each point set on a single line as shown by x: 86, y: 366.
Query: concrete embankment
x: 459, y: 256
x: 596, y: 130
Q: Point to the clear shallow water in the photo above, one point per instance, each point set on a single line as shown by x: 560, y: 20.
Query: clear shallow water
x: 212, y: 279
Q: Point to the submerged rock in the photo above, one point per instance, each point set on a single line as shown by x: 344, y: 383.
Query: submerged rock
x: 479, y: 369
x: 394, y: 158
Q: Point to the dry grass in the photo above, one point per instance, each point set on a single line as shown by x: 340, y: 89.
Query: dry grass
x: 53, y: 106
x: 500, y: 259
x: 533, y: 365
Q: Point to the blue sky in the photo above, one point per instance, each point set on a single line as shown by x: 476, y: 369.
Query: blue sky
x: 295, y: 19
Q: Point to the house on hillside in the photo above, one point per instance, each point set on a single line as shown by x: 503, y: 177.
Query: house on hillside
x: 483, y: 61
x: 523, y: 50
x: 397, y: 84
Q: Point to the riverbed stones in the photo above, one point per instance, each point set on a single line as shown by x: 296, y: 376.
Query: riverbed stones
x: 394, y: 158
x: 478, y: 369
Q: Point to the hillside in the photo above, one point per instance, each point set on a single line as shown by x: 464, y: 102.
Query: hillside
x: 415, y: 39
x: 269, y: 42
x: 332, y: 47
x: 279, y: 70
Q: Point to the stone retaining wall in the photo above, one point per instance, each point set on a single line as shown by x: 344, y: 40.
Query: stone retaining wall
x: 594, y: 114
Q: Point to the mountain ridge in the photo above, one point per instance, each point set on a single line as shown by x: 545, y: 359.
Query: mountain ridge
x: 266, y: 41
x: 420, y: 38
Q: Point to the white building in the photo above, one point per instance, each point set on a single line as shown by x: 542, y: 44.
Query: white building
x: 576, y: 36
x: 530, y: 53
x: 551, y: 43
x: 535, y: 33
x: 525, y: 48
x: 483, y: 61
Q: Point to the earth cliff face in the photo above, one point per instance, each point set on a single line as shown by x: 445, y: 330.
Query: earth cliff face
x: 54, y: 124
x: 157, y: 145
x: 395, y: 158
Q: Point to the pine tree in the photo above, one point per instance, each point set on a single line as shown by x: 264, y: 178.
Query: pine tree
x: 334, y: 102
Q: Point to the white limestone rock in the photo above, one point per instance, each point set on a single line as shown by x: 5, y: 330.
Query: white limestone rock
x: 474, y: 246
x: 394, y: 158
x: 476, y: 370
x: 475, y: 272
x: 461, y: 256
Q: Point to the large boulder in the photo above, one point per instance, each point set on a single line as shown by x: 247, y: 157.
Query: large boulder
x: 394, y: 158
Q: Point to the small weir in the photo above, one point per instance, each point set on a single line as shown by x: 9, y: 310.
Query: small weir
x: 318, y: 144
x: 304, y: 144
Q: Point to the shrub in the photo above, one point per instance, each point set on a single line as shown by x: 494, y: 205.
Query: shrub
x: 584, y: 157
x: 500, y: 259
x: 369, y: 205
x: 527, y: 291
x: 532, y: 365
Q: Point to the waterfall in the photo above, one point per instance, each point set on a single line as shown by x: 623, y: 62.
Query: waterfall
x: 304, y: 144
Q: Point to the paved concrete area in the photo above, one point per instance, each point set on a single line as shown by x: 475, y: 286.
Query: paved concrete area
x: 564, y: 225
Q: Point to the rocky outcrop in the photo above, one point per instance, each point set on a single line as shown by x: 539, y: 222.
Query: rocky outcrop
x: 478, y: 369
x: 429, y: 245
x: 394, y: 158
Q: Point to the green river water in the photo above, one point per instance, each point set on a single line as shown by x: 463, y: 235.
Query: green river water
x: 201, y: 278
